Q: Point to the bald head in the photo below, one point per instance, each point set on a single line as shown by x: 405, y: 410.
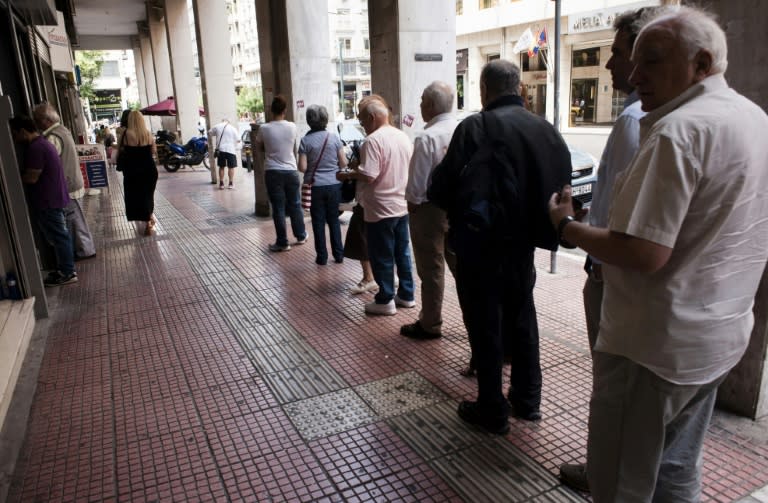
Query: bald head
x: 45, y: 115
x: 436, y: 99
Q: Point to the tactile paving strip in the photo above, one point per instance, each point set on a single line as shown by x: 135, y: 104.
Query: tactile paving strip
x: 436, y: 430
x: 268, y: 359
x: 304, y: 382
x: 487, y: 470
x: 399, y: 394
x: 328, y: 414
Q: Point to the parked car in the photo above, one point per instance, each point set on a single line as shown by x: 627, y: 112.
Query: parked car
x: 583, y: 175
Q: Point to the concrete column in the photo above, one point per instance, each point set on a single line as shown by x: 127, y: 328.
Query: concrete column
x: 215, y: 55
x: 412, y: 44
x: 182, y: 66
x: 149, y: 73
x: 295, y: 62
x: 745, y: 391
x: 161, y: 60
x: 138, y: 63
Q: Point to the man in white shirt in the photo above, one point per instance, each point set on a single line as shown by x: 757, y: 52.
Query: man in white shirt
x: 684, y: 251
x: 226, y: 143
x: 428, y: 222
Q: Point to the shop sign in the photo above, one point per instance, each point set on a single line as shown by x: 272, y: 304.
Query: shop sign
x: 585, y: 22
x: 93, y: 165
x: 462, y: 56
x: 106, y: 99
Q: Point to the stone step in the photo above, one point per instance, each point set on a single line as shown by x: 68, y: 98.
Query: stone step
x: 17, y: 321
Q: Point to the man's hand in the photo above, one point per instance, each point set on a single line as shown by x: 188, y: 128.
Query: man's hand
x: 561, y: 205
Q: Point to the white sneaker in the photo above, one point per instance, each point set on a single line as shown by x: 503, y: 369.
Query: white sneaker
x: 361, y: 287
x: 387, y: 309
x: 404, y: 303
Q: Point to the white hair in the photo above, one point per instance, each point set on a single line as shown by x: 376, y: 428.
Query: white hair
x: 376, y: 108
x: 697, y: 30
x: 46, y: 111
x: 440, y: 95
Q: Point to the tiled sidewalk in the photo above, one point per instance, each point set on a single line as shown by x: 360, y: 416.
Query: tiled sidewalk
x: 196, y: 366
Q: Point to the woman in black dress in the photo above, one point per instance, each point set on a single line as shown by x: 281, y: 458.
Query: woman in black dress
x: 139, y: 172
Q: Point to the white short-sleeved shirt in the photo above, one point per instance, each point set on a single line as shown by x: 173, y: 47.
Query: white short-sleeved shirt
x: 280, y: 140
x: 697, y: 185
x: 384, y: 157
x: 428, y: 150
x: 226, y: 137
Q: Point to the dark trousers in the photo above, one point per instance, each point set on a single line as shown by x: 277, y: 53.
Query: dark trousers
x: 495, y: 289
x: 325, y: 210
x: 283, y: 191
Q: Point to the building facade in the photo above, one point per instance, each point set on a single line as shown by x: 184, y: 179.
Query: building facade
x: 490, y: 29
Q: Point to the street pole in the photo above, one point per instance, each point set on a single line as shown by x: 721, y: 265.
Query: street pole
x: 556, y: 122
x: 341, y: 79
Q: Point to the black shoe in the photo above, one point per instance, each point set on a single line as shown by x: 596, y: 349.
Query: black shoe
x: 575, y: 476
x: 492, y: 423
x: 524, y: 413
x: 415, y: 331
x: 320, y: 261
x: 61, y: 279
x: 338, y: 260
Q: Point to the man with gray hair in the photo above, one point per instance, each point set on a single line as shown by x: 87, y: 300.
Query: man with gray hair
x: 513, y: 158
x: 683, y: 254
x: 429, y: 223
x: 48, y: 121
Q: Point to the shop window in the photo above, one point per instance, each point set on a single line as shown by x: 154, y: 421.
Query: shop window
x: 491, y: 57
x: 535, y: 63
x: 583, y: 102
x: 586, y: 57
x: 487, y: 4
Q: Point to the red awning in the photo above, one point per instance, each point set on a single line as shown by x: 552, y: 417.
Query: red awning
x: 165, y: 108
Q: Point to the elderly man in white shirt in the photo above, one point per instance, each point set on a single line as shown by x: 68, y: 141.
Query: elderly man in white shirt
x: 428, y: 222
x: 684, y: 251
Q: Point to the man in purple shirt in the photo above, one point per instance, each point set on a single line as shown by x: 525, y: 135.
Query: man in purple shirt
x: 47, y: 191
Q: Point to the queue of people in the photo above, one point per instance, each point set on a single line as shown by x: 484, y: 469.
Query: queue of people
x: 678, y: 209
x: 677, y: 237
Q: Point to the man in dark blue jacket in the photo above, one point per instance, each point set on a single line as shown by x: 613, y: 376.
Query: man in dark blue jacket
x: 493, y: 184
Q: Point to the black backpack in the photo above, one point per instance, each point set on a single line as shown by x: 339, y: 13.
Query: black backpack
x: 501, y: 195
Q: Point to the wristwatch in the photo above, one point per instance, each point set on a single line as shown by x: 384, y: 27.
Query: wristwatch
x: 561, y: 228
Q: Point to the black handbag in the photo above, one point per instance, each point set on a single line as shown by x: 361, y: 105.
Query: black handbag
x: 348, y: 189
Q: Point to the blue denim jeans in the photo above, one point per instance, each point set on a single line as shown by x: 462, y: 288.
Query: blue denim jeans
x: 53, y: 225
x: 283, y: 190
x: 389, y: 246
x: 325, y: 210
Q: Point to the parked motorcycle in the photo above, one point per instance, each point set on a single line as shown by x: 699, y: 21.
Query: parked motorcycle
x: 174, y: 156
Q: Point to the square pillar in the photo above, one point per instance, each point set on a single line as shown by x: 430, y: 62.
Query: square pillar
x: 412, y: 44
x: 182, y: 67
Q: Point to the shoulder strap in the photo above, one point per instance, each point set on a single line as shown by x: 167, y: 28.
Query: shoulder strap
x: 319, y: 158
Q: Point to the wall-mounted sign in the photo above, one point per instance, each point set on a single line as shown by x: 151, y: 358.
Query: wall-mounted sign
x: 421, y: 56
x: 462, y: 58
x: 585, y: 22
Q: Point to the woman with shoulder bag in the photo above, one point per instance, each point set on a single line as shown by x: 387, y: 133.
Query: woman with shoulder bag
x: 136, y: 161
x: 321, y: 156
